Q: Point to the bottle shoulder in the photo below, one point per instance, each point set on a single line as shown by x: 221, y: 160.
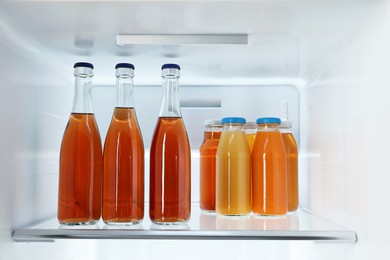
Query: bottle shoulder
x: 171, y: 127
x: 269, y: 142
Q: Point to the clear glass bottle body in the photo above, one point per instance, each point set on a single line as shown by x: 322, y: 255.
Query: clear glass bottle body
x: 233, y: 171
x: 170, y: 158
x: 292, y: 165
x: 81, y: 164
x: 123, y: 181
x: 208, y: 156
x: 269, y: 177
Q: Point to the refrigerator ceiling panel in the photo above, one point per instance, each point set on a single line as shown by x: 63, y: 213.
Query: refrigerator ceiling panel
x: 285, y: 38
x: 178, y: 39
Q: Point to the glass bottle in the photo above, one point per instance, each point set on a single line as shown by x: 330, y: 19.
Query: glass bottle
x: 170, y: 157
x: 123, y: 155
x: 208, y: 155
x: 81, y: 167
x: 292, y: 164
x: 233, y: 171
x: 269, y: 164
x: 250, y: 130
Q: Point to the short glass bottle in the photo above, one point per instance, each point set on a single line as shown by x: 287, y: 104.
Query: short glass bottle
x: 292, y: 165
x: 250, y: 131
x: 269, y: 166
x: 81, y: 163
x: 208, y: 155
x: 233, y: 169
x: 123, y: 181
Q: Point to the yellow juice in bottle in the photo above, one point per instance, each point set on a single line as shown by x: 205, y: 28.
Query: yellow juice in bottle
x: 251, y: 140
x: 233, y: 170
x: 250, y: 130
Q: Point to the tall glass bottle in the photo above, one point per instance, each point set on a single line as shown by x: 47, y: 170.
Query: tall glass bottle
x: 81, y: 167
x: 123, y: 178
x: 170, y: 157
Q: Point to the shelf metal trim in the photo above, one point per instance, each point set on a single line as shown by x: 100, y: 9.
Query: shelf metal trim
x: 179, y: 39
x: 49, y: 235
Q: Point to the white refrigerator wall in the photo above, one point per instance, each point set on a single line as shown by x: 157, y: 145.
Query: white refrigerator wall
x: 342, y: 120
x: 344, y: 137
x: 30, y: 137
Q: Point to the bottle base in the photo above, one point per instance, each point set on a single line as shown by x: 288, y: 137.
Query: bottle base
x: 170, y: 225
x: 170, y: 222
x: 293, y: 210
x: 78, y: 222
x: 235, y: 215
x: 122, y: 223
x: 262, y: 215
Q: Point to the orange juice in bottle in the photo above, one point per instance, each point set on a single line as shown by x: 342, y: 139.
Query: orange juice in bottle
x: 269, y: 164
x: 292, y: 164
x: 233, y: 172
x: 208, y: 154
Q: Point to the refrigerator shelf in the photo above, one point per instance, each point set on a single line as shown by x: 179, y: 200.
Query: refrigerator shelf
x: 299, y: 225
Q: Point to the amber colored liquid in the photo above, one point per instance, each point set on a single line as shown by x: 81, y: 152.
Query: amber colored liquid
x: 170, y: 172
x: 81, y: 171
x: 251, y: 140
x: 208, y: 155
x: 233, y: 192
x: 123, y: 181
x: 269, y: 180
x: 292, y: 170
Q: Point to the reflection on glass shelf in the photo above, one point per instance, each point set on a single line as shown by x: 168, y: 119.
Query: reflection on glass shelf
x: 299, y: 225
x: 209, y: 221
x: 183, y: 226
x: 71, y: 227
x: 232, y: 223
x: 127, y: 227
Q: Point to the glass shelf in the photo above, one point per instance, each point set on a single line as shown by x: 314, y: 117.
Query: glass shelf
x: 299, y: 225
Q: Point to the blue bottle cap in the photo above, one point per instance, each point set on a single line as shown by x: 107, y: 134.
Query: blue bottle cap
x: 170, y: 66
x: 233, y: 120
x: 83, y: 64
x: 125, y: 65
x: 268, y: 120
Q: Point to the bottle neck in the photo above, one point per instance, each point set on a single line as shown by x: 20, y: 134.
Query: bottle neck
x: 251, y: 129
x: 268, y: 128
x: 218, y: 128
x: 170, y: 106
x: 213, y: 132
x: 285, y: 127
x: 233, y: 127
x: 124, y: 91
x: 285, y: 130
x: 82, y: 94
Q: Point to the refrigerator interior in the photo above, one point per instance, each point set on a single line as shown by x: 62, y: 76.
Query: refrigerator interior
x: 327, y: 59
